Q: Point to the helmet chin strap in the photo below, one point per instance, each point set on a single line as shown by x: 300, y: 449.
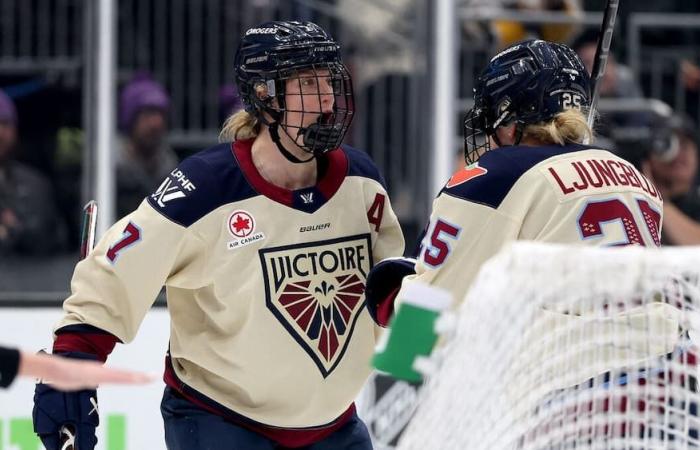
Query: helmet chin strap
x: 519, y: 129
x: 274, y: 133
x: 273, y: 126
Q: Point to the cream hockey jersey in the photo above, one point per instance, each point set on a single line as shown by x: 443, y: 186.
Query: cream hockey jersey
x: 574, y: 194
x: 265, y: 286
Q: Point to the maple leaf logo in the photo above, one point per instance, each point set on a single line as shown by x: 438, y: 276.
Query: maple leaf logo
x: 241, y: 224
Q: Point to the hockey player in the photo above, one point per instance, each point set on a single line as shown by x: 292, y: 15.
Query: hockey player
x: 263, y: 245
x: 529, y: 178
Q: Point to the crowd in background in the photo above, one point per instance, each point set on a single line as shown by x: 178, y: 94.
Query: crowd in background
x: 41, y: 158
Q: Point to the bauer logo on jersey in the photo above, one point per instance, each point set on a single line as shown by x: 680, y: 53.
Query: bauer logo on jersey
x: 177, y: 185
x: 241, y: 225
x: 316, y: 291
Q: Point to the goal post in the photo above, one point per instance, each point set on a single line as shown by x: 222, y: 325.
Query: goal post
x: 560, y: 347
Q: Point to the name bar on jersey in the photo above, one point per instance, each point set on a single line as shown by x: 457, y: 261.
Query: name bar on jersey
x: 593, y: 173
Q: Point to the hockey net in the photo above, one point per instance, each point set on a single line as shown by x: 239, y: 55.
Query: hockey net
x: 569, y: 348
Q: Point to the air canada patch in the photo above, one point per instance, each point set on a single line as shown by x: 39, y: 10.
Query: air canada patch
x: 316, y: 291
x: 241, y: 225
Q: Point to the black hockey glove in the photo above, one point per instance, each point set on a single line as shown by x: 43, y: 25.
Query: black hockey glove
x: 383, y: 283
x: 64, y: 417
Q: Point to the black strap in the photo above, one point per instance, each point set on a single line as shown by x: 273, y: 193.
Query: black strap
x: 519, y: 129
x: 274, y: 133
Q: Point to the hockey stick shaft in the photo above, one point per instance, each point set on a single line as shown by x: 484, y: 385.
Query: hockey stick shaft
x: 88, y: 229
x: 601, y: 54
x: 87, y: 242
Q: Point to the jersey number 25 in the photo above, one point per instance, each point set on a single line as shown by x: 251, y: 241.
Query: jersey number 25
x: 436, y: 244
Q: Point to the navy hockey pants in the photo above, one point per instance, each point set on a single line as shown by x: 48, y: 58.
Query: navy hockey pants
x: 188, y: 427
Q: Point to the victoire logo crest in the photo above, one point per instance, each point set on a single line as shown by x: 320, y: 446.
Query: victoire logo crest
x: 316, y: 291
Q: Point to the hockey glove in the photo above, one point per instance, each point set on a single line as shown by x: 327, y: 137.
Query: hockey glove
x: 62, y: 417
x: 383, y: 283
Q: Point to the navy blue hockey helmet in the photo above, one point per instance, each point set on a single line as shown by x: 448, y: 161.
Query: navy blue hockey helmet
x: 271, y: 54
x: 527, y: 83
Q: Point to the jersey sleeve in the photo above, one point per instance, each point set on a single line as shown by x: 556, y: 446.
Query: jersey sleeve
x: 460, y: 237
x: 388, y: 238
x: 114, y: 287
x: 467, y: 226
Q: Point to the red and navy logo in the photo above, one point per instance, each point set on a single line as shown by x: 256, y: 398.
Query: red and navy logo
x: 316, y: 291
x: 241, y: 224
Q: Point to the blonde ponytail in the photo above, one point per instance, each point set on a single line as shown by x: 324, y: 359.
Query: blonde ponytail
x: 240, y: 125
x: 567, y: 127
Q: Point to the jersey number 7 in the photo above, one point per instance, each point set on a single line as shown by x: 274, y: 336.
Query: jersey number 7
x: 130, y: 236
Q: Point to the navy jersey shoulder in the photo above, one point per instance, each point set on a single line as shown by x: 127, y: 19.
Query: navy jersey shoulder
x: 361, y: 165
x: 200, y: 184
x: 499, y: 169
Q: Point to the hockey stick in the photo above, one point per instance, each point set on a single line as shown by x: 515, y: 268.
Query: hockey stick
x: 601, y: 54
x: 87, y: 242
x: 87, y: 230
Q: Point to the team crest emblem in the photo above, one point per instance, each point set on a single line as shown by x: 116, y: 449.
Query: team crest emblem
x: 467, y: 173
x: 241, y: 225
x: 316, y: 291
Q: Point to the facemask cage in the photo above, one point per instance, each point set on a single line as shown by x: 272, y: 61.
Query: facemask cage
x: 476, y: 139
x: 291, y: 78
x: 314, y: 106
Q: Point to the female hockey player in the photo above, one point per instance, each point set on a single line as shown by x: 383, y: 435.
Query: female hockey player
x: 529, y: 178
x: 263, y: 244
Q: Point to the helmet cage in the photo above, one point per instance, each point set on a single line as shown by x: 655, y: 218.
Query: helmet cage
x: 476, y: 135
x: 327, y: 130
x: 302, y: 57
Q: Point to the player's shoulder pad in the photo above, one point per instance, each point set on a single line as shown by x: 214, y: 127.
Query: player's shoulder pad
x: 361, y: 165
x: 200, y: 184
x: 489, y: 180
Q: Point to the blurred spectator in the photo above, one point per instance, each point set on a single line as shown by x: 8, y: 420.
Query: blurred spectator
x: 618, y: 80
x: 675, y: 173
x: 509, y: 32
x: 229, y: 101
x: 145, y: 159
x: 690, y: 74
x: 29, y: 222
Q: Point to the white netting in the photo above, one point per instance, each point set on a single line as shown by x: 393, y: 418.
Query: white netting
x: 570, y: 348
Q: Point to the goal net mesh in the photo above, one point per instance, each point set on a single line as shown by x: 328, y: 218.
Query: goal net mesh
x: 569, y: 348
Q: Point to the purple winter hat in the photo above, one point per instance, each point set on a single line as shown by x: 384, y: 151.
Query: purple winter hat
x: 8, y: 112
x: 140, y: 93
x: 229, y: 100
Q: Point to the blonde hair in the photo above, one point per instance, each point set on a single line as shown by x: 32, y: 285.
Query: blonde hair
x: 567, y: 127
x: 240, y: 125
